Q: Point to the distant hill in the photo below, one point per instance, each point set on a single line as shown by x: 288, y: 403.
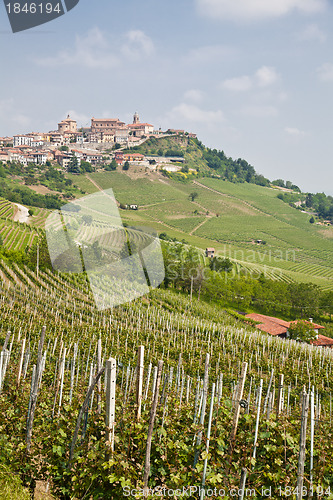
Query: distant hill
x: 203, y: 159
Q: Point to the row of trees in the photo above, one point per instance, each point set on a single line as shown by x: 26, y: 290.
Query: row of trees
x: 321, y: 204
x: 231, y: 170
x: 25, y: 196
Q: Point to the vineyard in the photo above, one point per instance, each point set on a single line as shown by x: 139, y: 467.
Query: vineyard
x: 6, y: 209
x: 167, y: 393
x: 16, y: 236
x: 230, y: 217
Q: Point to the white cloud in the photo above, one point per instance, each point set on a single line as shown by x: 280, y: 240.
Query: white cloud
x: 310, y: 33
x: 208, y: 54
x: 248, y: 10
x: 325, y: 72
x: 95, y: 51
x: 294, y: 132
x: 194, y: 95
x: 189, y: 113
x: 238, y: 84
x: 266, y: 75
x: 137, y: 45
x: 263, y: 77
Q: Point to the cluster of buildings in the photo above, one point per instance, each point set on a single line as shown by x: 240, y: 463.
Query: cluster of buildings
x: 85, y: 143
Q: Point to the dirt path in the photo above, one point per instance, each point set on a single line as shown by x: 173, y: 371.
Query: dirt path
x: 21, y: 214
x: 199, y: 225
x: 99, y: 188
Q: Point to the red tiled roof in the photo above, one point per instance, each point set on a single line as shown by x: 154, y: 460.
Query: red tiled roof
x: 138, y: 125
x: 269, y: 324
x: 323, y: 341
x: 276, y: 326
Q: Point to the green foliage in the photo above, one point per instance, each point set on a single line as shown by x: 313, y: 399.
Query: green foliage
x: 73, y: 166
x: 302, y: 331
x: 126, y: 165
x: 220, y: 264
x: 85, y: 166
x: 111, y: 166
x: 24, y: 196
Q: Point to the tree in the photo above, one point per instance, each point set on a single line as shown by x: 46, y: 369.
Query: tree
x: 312, y: 220
x: 126, y: 165
x: 218, y: 264
x: 279, y: 182
x: 86, y: 166
x: 304, y: 298
x: 326, y: 302
x: 193, y: 195
x: 73, y: 166
x: 112, y: 166
x: 302, y: 331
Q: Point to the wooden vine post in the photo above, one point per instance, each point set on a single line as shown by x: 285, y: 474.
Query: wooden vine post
x: 151, y: 426
x: 279, y: 401
x: 140, y: 369
x: 34, y: 389
x: 239, y: 396
x: 302, y: 445
x: 21, y: 363
x: 111, y: 372
x: 99, y: 384
x: 203, y: 409
x: 82, y: 412
x: 202, y: 492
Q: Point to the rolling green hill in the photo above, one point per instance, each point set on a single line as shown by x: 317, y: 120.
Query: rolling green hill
x: 231, y: 218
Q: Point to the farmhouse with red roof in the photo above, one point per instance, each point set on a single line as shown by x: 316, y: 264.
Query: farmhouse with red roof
x: 279, y: 328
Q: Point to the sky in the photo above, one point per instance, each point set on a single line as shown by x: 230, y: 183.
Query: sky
x: 253, y: 78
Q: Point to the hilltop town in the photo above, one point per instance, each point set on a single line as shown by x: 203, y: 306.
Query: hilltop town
x: 104, y: 140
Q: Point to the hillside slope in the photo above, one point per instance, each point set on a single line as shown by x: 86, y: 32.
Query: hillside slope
x: 229, y: 217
